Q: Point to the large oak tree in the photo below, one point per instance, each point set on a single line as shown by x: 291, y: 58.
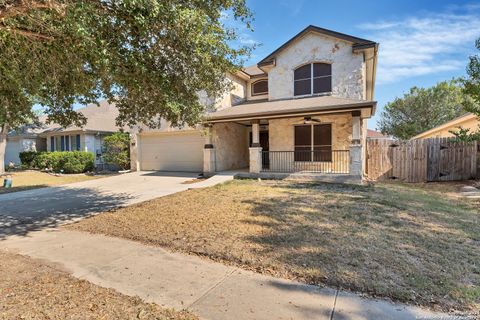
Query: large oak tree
x: 149, y: 57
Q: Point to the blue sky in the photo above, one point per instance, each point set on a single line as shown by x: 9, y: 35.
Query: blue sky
x: 421, y: 42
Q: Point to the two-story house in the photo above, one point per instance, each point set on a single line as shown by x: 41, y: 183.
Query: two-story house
x: 303, y: 108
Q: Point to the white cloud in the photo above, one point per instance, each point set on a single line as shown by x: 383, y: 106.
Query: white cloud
x: 426, y: 44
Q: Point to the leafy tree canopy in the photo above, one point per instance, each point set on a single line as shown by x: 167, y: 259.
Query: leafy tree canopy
x: 422, y: 109
x: 472, y: 84
x: 149, y: 57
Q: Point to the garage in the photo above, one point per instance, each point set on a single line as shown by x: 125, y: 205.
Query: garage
x: 179, y: 151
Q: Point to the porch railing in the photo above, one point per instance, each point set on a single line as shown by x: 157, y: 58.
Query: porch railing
x: 319, y: 161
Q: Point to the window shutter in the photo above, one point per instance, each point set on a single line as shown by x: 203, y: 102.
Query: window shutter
x: 67, y: 143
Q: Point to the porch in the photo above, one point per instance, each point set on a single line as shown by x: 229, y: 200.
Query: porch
x: 326, y: 147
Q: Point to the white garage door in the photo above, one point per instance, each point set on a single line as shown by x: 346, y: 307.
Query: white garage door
x: 172, y: 151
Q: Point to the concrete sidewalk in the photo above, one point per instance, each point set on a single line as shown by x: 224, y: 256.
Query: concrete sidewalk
x: 210, y: 290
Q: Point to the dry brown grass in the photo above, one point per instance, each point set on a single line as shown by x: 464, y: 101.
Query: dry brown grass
x: 391, y: 240
x: 29, y: 179
x: 30, y: 289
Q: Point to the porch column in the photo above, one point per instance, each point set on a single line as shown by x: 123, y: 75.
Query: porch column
x: 356, y: 163
x: 356, y: 127
x: 209, y: 166
x: 255, y: 149
x: 135, y: 151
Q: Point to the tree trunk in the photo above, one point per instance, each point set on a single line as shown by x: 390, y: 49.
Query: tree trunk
x: 3, y: 146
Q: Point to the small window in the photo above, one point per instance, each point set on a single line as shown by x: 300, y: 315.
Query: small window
x: 52, y: 144
x: 313, y: 142
x: 313, y: 78
x: 259, y: 87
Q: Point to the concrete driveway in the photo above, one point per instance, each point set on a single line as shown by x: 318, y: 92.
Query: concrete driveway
x: 21, y: 212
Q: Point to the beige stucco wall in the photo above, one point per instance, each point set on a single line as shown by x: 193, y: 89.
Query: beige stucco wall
x: 235, y: 96
x: 472, y: 124
x: 231, y: 146
x: 281, y: 138
x: 348, y: 73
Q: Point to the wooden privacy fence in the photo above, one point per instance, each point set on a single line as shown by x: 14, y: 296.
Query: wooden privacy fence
x: 437, y: 159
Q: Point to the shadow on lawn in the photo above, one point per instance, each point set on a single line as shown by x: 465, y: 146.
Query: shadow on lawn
x: 22, y: 213
x: 382, y: 240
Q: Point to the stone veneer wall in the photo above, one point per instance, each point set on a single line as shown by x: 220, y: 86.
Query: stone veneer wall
x: 231, y: 146
x: 348, y: 76
x: 281, y: 131
x: 281, y: 138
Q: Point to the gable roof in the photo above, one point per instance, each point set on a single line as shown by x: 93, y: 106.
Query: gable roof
x: 253, y: 71
x: 358, y: 43
x: 454, y: 122
x: 99, y: 119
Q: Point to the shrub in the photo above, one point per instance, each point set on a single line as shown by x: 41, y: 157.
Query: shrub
x: 27, y: 157
x: 117, y: 150
x: 68, y: 161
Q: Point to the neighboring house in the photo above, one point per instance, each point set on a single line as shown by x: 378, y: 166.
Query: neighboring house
x: 376, y: 135
x: 304, y: 108
x: 23, y: 139
x: 53, y: 137
x: 467, y: 121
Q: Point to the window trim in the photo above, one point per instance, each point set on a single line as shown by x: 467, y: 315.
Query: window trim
x: 311, y: 80
x: 261, y: 93
x: 312, y: 145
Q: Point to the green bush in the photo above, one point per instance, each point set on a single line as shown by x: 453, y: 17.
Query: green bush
x: 66, y: 161
x: 117, y: 150
x: 27, y: 157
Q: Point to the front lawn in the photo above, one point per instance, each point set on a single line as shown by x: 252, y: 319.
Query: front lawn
x: 29, y: 179
x: 30, y: 289
x: 405, y: 242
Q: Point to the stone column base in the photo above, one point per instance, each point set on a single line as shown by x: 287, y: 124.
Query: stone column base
x: 255, y: 159
x: 209, y: 166
x: 356, y: 163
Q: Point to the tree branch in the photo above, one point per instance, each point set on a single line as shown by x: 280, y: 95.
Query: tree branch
x: 20, y: 7
x: 28, y: 34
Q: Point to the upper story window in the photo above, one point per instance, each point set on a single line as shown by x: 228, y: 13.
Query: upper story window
x: 313, y: 78
x: 260, y: 87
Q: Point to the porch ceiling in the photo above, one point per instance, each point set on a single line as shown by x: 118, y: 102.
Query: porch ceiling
x: 291, y: 107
